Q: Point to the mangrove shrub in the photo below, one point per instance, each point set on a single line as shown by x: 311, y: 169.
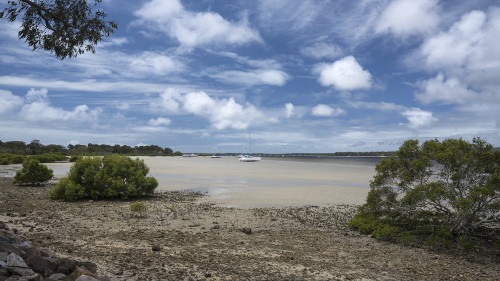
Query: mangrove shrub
x: 33, y: 173
x: 444, y: 191
x: 112, y: 176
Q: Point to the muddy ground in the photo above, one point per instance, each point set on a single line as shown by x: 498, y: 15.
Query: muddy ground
x: 183, y: 236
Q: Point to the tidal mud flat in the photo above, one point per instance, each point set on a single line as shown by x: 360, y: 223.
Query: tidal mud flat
x: 185, y: 236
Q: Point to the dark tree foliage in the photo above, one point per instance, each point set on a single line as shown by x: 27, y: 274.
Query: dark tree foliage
x: 33, y: 173
x: 66, y: 28
x: 111, y: 176
x: 447, y: 190
x: 35, y: 147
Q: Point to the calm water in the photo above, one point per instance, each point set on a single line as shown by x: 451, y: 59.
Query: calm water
x: 274, y: 181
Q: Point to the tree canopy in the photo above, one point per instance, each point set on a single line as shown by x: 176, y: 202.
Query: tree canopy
x: 66, y: 28
x: 450, y: 187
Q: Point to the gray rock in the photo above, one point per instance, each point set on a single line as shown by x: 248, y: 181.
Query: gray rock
x: 16, y: 264
x: 65, y: 266
x: 9, y: 248
x: 3, y: 268
x: 43, y: 265
x: 3, y: 256
x: 34, y: 277
x: 58, y: 276
x: 86, y: 278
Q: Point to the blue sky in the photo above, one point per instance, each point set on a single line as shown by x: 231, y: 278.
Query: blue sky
x: 301, y: 76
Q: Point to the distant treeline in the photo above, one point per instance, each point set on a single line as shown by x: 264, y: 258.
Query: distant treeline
x: 36, y: 148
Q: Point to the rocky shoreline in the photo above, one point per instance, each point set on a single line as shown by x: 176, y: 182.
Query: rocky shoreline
x: 184, y: 236
x: 20, y: 260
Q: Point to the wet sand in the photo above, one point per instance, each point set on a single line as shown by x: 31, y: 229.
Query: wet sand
x: 266, y: 183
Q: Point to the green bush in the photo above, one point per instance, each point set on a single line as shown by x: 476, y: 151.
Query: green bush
x: 33, y: 173
x: 111, y: 176
x: 441, y: 192
x: 138, y: 207
x: 8, y: 158
x: 49, y: 157
x: 73, y: 158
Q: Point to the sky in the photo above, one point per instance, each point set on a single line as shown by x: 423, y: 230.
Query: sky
x: 299, y: 76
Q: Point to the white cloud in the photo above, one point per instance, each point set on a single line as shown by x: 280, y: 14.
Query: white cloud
x: 285, y: 14
x: 195, y: 29
x: 322, y: 50
x: 418, y: 118
x: 326, y: 110
x: 345, y: 74
x: 252, y: 77
x: 455, y: 47
x: 408, y: 17
x: 149, y: 63
x: 447, y: 91
x: 383, y: 106
x: 36, y: 108
x: 9, y: 102
x: 221, y: 113
x: 160, y: 121
x: 467, y: 59
x: 115, y: 41
x: 289, y: 110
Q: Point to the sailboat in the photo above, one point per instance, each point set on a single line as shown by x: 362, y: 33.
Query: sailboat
x: 249, y: 157
x: 217, y: 155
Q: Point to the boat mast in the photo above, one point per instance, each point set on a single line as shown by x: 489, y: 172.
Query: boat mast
x: 249, y: 143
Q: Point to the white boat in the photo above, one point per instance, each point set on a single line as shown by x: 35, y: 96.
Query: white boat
x: 215, y: 156
x: 190, y: 155
x: 248, y: 157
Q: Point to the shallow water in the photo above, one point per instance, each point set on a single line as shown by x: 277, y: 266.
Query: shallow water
x: 270, y: 182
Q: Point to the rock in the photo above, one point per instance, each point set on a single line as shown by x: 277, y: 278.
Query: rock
x: 58, y: 277
x: 79, y: 272
x: 86, y: 278
x: 3, y: 256
x: 32, y: 252
x: 246, y: 230
x: 90, y: 266
x: 43, y: 265
x: 65, y: 266
x: 34, y: 277
x: 208, y: 274
x: 156, y: 248
x: 17, y: 265
x: 9, y: 248
x: 3, y: 225
x: 3, y: 268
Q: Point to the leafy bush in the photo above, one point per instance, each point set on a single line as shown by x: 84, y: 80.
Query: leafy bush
x: 49, y: 157
x: 73, y: 158
x: 438, y: 190
x: 138, y: 207
x: 111, y: 176
x: 33, y: 173
x: 7, y: 158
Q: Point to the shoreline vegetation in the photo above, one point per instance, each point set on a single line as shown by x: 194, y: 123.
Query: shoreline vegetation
x: 184, y: 236
x: 14, y: 152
